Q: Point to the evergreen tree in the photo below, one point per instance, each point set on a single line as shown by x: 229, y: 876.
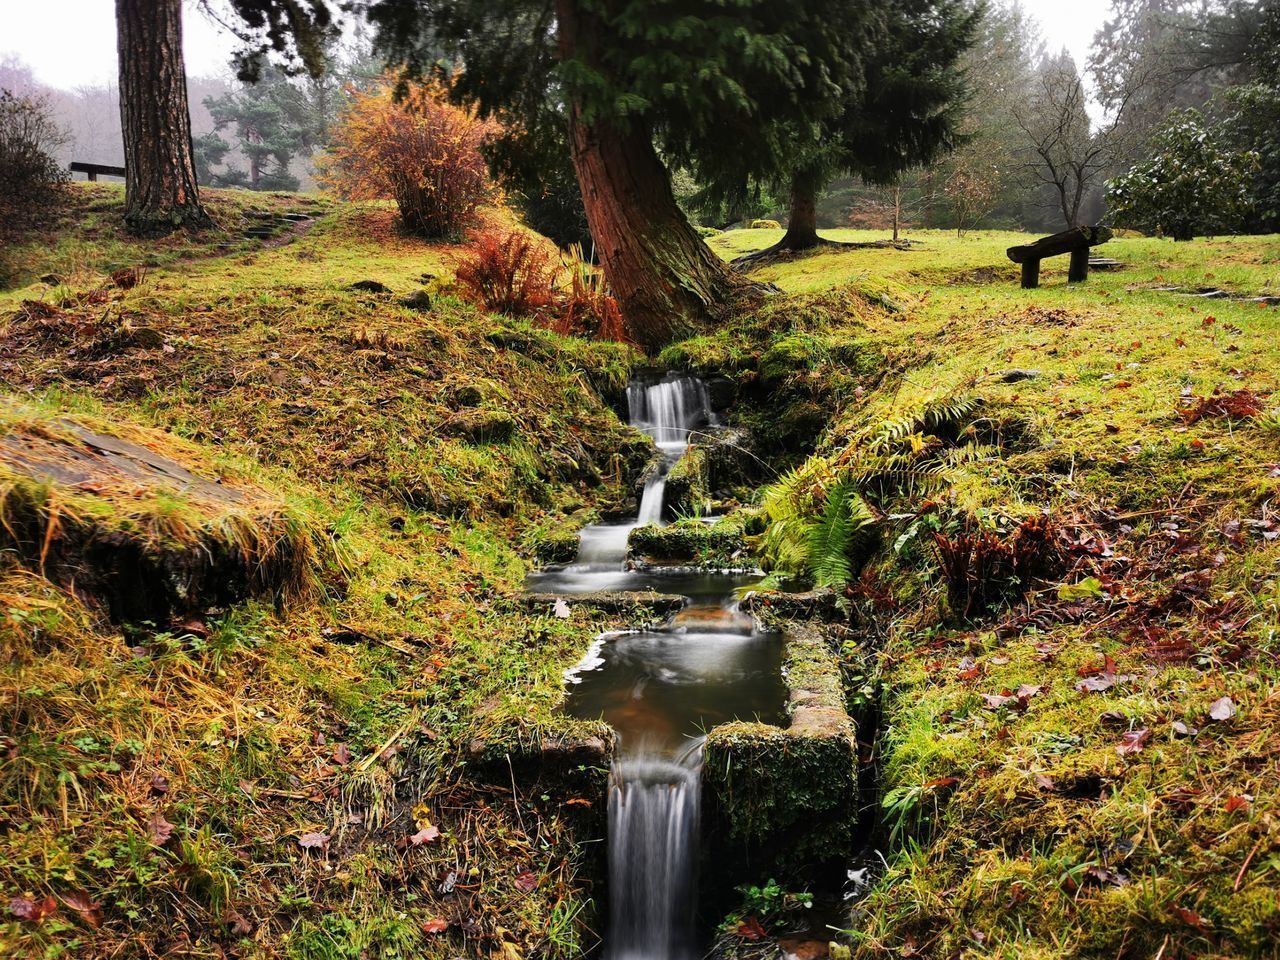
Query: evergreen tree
x: 273, y: 120
x: 903, y: 113
x: 161, y: 193
x: 639, y: 77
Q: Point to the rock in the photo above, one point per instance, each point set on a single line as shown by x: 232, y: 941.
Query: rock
x: 1015, y: 375
x: 822, y: 605
x: 483, y: 426
x: 369, y: 286
x: 795, y: 948
x: 144, y: 338
x: 52, y: 279
x: 630, y: 605
x: 467, y: 395
x: 418, y: 300
x: 721, y: 391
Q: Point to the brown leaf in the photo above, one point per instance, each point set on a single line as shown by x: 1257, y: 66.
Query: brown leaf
x: 159, y: 783
x: 1190, y: 918
x: 1237, y: 802
x: 159, y: 829
x: 750, y: 929
x: 89, y: 909
x: 33, y: 911
x: 425, y: 835
x: 342, y: 754
x: 526, y: 881
x: 1133, y: 742
x: 1045, y: 783
x: 313, y: 841
x: 435, y: 925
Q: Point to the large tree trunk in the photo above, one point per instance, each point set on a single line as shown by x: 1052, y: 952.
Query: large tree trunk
x: 802, y: 223
x: 667, y: 281
x: 160, y: 177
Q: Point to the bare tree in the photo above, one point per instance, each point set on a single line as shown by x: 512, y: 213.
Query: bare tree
x: 1068, y: 155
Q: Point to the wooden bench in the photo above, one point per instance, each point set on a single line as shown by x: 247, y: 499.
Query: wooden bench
x: 95, y: 170
x: 1075, y: 241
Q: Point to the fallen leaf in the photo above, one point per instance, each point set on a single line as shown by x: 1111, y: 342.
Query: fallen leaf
x: 1045, y: 783
x: 1086, y: 589
x: 90, y: 910
x: 342, y: 754
x: 1190, y: 918
x: 526, y: 881
x: 562, y: 609
x: 940, y: 783
x: 1182, y: 730
x: 33, y: 911
x: 313, y: 841
x: 1133, y: 742
x: 425, y: 835
x: 1237, y: 802
x: 159, y: 829
x: 435, y: 925
x: 750, y: 929
x: 159, y: 783
x: 1224, y: 708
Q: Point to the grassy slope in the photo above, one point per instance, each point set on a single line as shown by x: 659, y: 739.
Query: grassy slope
x: 1048, y: 841
x: 349, y: 407
x: 358, y: 414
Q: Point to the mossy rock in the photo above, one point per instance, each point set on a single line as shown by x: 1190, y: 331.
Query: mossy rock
x: 765, y: 225
x: 125, y: 521
x: 786, y: 801
x: 688, y: 489
x: 709, y: 232
x: 691, y: 543
x: 483, y: 426
x: 559, y: 545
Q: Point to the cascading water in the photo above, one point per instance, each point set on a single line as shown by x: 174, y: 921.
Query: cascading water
x: 660, y: 689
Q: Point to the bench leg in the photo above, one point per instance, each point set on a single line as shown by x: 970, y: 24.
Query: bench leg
x: 92, y: 175
x: 1078, y: 272
x: 1030, y: 274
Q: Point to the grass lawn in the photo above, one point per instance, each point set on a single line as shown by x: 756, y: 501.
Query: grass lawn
x: 250, y: 780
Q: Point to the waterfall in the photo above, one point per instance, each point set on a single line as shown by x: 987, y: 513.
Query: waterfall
x: 669, y: 411
x: 653, y: 854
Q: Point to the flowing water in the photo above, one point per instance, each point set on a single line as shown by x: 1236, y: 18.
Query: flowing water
x: 661, y: 689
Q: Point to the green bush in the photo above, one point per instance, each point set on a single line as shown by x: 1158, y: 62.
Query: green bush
x: 765, y: 225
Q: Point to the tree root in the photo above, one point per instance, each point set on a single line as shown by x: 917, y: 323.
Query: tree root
x: 784, y: 251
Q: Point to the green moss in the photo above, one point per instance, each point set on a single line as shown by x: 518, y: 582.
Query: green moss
x: 787, y: 800
x: 688, y: 487
x: 718, y: 546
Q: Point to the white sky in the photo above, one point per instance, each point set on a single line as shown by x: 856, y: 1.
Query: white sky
x: 69, y: 43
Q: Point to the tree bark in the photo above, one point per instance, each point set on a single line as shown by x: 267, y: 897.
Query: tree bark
x: 802, y: 223
x: 667, y: 282
x: 160, y: 192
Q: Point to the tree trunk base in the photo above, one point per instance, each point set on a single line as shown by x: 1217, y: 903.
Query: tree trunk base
x: 787, y: 250
x: 151, y: 224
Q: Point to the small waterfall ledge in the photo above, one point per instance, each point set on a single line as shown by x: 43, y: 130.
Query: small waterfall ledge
x: 726, y: 742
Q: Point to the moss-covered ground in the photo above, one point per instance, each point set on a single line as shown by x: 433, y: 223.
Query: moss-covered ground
x: 286, y: 775
x: 284, y: 778
x: 1077, y: 761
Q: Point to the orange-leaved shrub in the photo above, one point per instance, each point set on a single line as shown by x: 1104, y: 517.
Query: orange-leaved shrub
x: 585, y: 308
x: 508, y: 272
x: 421, y: 151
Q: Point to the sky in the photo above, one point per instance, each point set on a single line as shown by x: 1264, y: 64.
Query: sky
x: 71, y: 43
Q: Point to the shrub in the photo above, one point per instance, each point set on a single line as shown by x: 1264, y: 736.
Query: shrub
x: 30, y: 177
x: 586, y: 309
x: 420, y: 151
x: 765, y: 225
x: 1192, y: 184
x: 509, y: 273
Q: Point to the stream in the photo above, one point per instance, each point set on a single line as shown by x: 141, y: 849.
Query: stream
x: 661, y: 689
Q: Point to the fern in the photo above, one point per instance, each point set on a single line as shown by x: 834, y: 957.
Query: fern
x: 833, y: 539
